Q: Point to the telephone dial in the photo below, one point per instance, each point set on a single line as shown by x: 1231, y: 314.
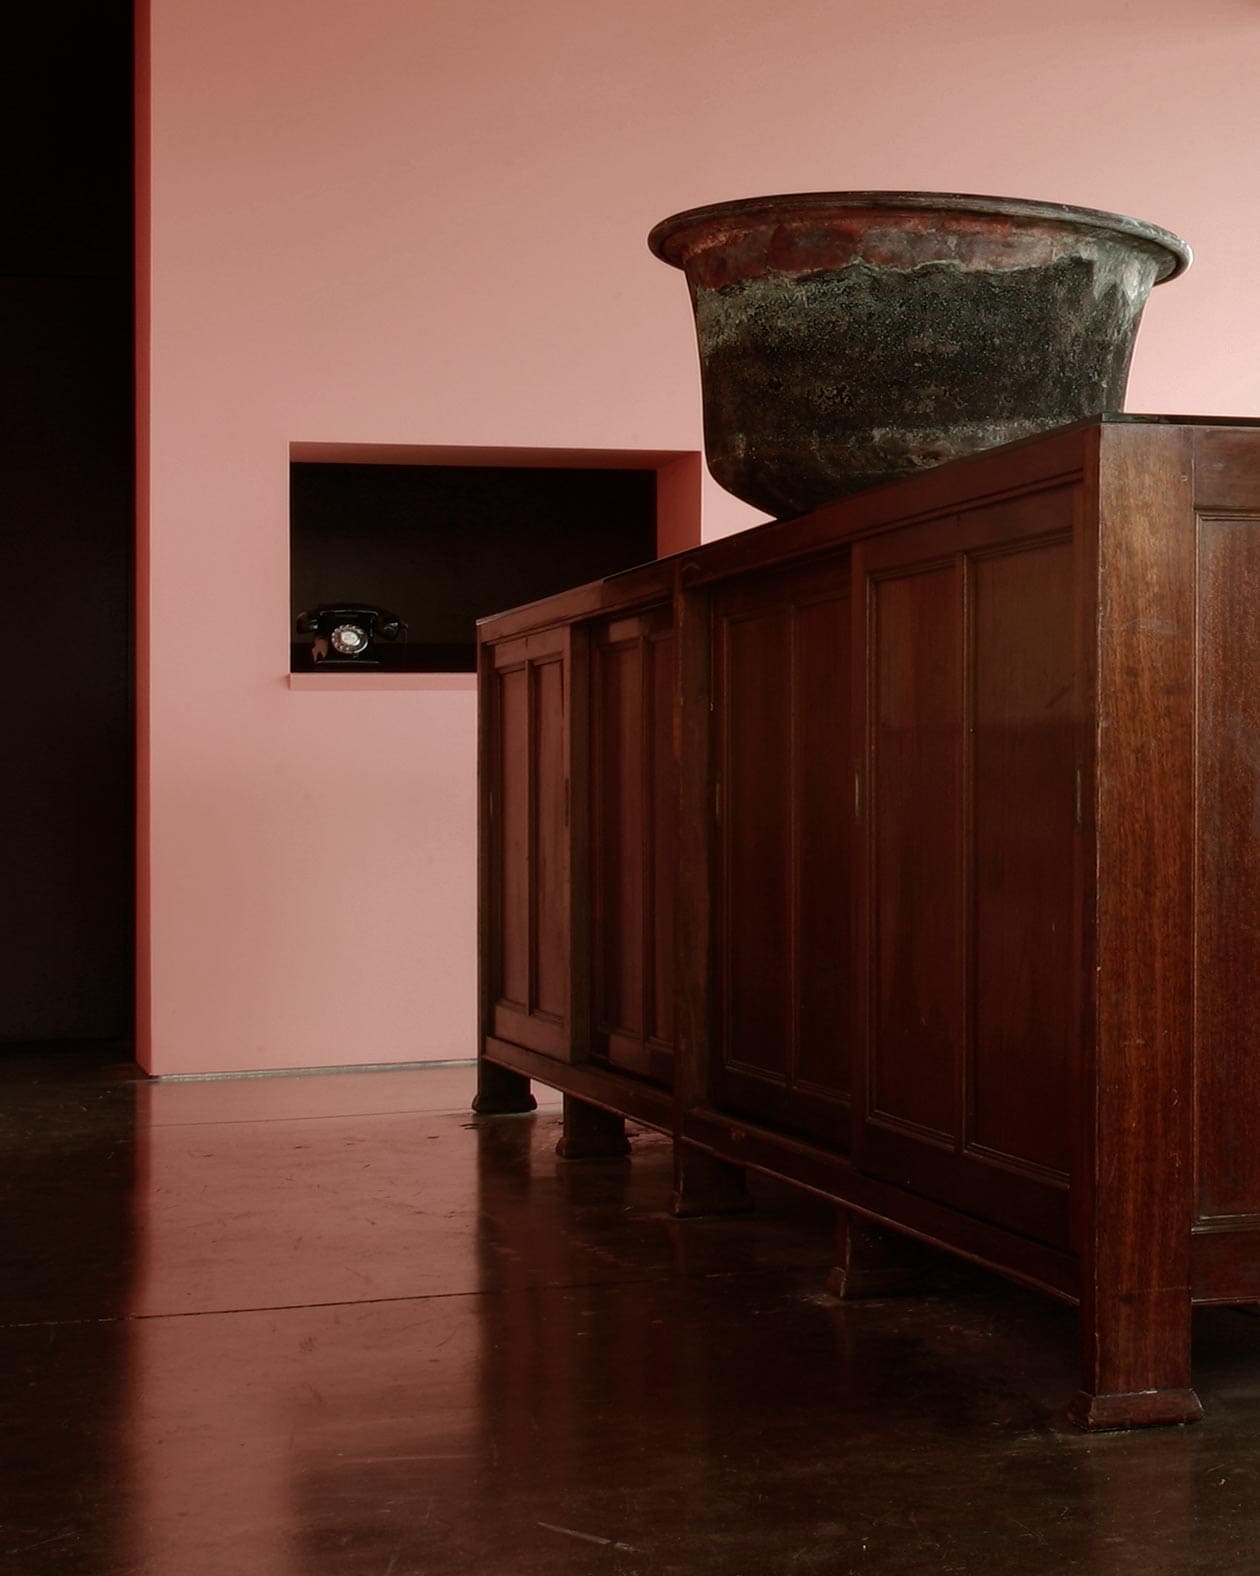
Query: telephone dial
x: 346, y: 633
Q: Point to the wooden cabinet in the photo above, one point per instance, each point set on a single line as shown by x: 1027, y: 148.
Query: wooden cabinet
x: 909, y: 851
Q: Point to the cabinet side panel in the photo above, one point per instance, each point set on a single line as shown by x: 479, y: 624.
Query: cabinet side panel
x: 511, y: 849
x: 1135, y: 1194
x: 1024, y: 851
x: 916, y: 984
x: 1227, y: 886
x: 619, y: 837
x: 549, y: 891
x: 824, y: 797
x: 756, y: 951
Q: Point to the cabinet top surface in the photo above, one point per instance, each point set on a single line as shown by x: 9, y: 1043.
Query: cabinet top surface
x: 1039, y: 460
x: 1121, y: 417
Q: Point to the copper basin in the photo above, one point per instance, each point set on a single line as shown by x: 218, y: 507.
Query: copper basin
x: 849, y: 338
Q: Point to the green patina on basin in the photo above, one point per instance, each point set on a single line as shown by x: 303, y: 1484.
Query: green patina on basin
x: 849, y: 338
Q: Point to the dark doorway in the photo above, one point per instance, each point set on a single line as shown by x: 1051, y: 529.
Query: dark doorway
x: 67, y: 443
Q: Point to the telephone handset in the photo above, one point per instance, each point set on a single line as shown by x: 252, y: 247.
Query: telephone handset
x: 345, y: 633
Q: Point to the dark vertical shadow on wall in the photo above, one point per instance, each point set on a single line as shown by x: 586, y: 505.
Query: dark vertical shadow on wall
x: 67, y: 482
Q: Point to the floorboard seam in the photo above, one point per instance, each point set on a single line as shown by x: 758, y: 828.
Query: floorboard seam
x: 434, y: 1296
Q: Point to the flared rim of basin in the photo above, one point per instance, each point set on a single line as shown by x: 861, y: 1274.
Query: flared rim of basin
x: 668, y: 239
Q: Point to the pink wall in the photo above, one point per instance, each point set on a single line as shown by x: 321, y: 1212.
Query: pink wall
x: 410, y: 223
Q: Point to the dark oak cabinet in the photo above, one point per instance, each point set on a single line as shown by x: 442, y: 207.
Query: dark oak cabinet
x: 910, y: 851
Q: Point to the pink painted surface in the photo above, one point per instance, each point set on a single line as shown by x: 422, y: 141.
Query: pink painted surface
x: 424, y: 224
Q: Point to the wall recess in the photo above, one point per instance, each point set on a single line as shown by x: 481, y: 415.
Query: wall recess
x: 443, y: 544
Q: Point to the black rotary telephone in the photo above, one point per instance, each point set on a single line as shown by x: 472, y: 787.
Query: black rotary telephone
x: 346, y: 633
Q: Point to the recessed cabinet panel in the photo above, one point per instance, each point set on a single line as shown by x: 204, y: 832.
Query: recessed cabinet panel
x: 784, y: 813
x: 1227, y: 917
x: 1023, y: 807
x: 551, y: 883
x: 755, y: 811
x: 634, y: 791
x: 530, y: 961
x: 513, y: 837
x: 822, y: 824
x: 619, y: 835
x: 914, y: 786
x: 663, y: 844
x: 970, y: 935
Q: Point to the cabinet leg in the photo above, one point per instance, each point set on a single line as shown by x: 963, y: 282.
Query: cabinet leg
x: 1135, y: 1367
x: 591, y: 1133
x: 501, y: 1092
x: 1135, y: 1409
x: 874, y: 1262
x: 705, y: 1185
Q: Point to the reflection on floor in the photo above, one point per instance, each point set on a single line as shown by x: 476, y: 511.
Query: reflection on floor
x: 335, y: 1326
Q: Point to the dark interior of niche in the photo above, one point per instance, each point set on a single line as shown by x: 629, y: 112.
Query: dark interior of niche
x: 442, y: 546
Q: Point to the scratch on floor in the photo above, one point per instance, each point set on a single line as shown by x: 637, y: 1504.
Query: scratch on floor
x: 363, y: 1461
x: 60, y: 1537
x: 589, y: 1537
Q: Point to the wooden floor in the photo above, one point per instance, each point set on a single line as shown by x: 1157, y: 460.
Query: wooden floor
x: 335, y: 1326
